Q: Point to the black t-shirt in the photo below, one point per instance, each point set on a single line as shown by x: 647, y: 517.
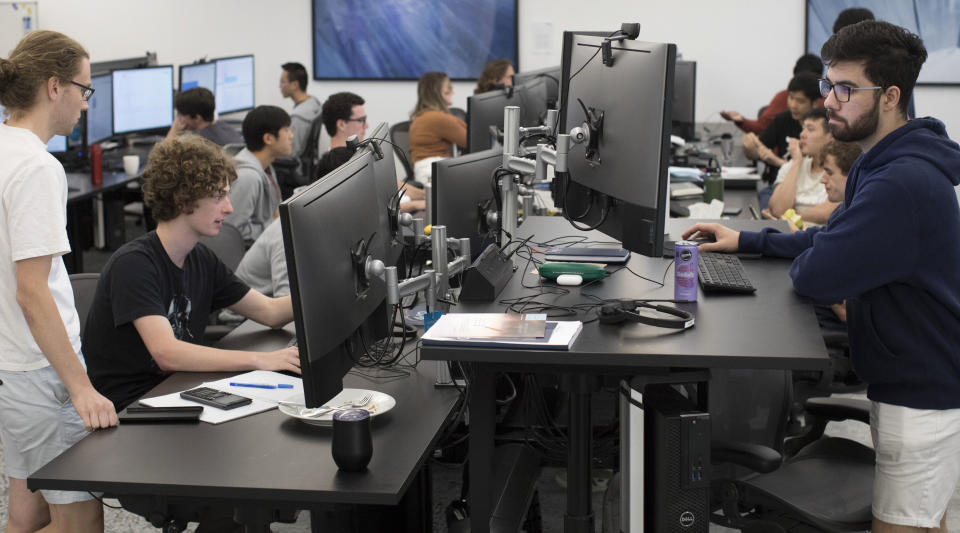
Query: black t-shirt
x: 140, y: 280
x: 775, y: 138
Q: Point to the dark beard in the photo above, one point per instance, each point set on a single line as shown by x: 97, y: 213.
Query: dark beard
x: 864, y: 126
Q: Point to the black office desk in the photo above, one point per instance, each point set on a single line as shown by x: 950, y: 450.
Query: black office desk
x: 774, y: 328
x: 262, y: 462
x: 80, y: 214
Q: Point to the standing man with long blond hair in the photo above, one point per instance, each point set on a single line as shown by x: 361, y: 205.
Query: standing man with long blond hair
x: 46, y: 400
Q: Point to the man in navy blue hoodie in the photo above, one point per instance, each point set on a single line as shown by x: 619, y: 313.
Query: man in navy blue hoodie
x: 894, y: 255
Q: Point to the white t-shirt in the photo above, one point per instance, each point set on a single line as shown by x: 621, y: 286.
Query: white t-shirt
x: 33, y: 220
x: 810, y: 191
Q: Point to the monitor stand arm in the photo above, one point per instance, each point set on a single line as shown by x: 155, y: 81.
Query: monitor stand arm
x: 556, y: 156
x: 435, y: 282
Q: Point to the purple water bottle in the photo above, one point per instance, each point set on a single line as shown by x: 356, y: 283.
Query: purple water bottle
x: 685, y: 271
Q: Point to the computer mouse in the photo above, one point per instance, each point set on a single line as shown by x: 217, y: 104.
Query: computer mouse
x: 569, y: 279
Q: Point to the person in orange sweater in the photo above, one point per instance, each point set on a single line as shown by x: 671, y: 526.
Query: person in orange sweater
x: 433, y: 130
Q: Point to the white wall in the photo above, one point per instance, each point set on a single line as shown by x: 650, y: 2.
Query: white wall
x: 743, y: 57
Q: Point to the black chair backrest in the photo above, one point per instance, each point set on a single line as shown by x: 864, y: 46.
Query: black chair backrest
x: 400, y: 136
x: 310, y: 157
x: 750, y: 406
x: 459, y: 113
x: 227, y: 245
x: 84, y: 288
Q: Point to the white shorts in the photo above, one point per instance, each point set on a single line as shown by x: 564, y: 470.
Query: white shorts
x: 918, y: 463
x: 423, y: 169
x: 37, y: 423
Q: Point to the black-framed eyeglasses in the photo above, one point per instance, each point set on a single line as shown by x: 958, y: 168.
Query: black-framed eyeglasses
x: 362, y: 120
x: 87, y: 90
x: 842, y: 92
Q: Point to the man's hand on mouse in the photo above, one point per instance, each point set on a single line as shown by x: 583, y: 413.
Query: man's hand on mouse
x: 727, y: 240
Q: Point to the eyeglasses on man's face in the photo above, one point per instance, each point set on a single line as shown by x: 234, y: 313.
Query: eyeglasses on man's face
x: 842, y: 92
x: 362, y: 120
x: 86, y: 90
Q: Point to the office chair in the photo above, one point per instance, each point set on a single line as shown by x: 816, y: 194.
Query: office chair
x: 233, y: 149
x: 228, y: 245
x: 400, y: 136
x: 762, y: 483
x: 84, y: 288
x: 310, y: 157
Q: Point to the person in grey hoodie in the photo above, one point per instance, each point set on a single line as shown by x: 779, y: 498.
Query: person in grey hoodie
x: 256, y: 195
x: 306, y: 108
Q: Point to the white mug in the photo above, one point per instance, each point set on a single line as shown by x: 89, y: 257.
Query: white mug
x: 131, y: 165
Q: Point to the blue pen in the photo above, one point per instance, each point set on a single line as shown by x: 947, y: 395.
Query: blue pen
x: 262, y: 385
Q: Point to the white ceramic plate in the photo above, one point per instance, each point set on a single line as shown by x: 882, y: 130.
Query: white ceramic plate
x: 380, y: 403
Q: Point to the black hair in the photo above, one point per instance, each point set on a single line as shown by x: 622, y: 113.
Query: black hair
x: 809, y: 63
x: 338, y: 106
x: 296, y: 72
x: 331, y: 160
x: 851, y: 16
x: 807, y: 83
x: 891, y: 55
x: 817, y: 113
x: 262, y: 120
x: 196, y: 101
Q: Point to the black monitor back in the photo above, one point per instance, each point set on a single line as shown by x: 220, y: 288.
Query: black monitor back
x: 462, y: 188
x: 385, y: 174
x: 550, y: 75
x: 623, y: 189
x: 336, y: 313
x: 486, y: 109
x: 685, y: 99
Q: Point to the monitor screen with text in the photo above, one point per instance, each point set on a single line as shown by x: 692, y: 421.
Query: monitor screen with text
x: 234, y: 91
x: 142, y: 99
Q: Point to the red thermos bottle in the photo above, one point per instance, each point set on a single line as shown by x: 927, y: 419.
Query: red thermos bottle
x: 96, y: 167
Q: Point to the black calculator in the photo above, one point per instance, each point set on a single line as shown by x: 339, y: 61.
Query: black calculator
x: 215, y: 398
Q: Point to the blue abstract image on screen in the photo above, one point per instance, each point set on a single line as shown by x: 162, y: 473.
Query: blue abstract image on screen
x: 937, y: 22
x: 402, y: 39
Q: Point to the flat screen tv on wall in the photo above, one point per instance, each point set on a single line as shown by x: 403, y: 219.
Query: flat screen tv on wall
x: 402, y: 39
x: 937, y: 22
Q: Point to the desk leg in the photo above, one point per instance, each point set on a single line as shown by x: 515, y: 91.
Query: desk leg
x: 579, y: 516
x: 481, y: 447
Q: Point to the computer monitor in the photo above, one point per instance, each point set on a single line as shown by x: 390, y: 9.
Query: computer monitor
x: 234, y: 87
x: 142, y: 99
x: 106, y: 67
x: 57, y: 144
x: 199, y: 75
x: 684, y: 99
x: 385, y: 175
x: 100, y: 109
x: 486, y: 109
x: 552, y: 77
x: 618, y: 181
x: 463, y: 194
x: 339, y: 311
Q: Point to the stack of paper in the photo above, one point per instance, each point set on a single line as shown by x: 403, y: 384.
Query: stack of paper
x: 486, y: 330
x: 263, y: 399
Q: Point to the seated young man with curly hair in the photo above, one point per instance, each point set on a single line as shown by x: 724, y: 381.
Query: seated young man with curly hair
x: 156, y: 292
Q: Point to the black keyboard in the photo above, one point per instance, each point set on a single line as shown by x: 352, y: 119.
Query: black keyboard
x: 723, y: 273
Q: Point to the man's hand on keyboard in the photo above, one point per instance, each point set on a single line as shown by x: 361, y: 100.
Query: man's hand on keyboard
x: 727, y: 240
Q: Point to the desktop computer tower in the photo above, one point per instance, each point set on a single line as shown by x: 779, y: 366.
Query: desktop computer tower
x: 664, y: 462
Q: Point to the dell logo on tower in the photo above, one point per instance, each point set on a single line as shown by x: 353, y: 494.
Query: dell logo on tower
x: 686, y: 519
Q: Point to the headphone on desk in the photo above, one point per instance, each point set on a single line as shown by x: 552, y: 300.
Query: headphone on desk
x: 619, y: 311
